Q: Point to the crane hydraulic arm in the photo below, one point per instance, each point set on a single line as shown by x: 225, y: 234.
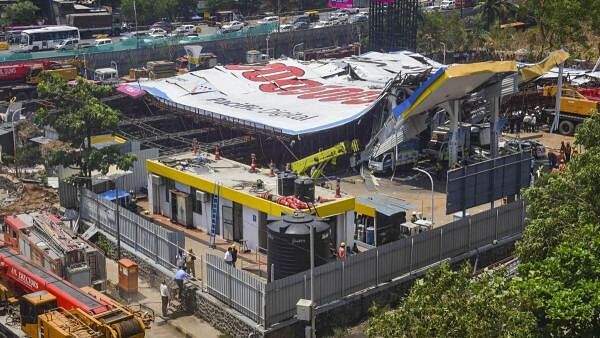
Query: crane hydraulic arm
x: 319, y: 160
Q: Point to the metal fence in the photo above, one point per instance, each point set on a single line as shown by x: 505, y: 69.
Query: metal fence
x: 144, y: 236
x: 237, y: 288
x: 67, y: 194
x: 336, y: 280
x: 274, y: 302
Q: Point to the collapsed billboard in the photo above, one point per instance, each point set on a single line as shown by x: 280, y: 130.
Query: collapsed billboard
x: 340, y: 3
x: 284, y: 95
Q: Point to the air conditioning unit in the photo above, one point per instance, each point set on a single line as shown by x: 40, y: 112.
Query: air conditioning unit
x: 156, y: 179
x: 201, y: 196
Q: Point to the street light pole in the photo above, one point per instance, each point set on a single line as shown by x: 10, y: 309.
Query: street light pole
x: 444, y: 52
x: 117, y: 221
x: 294, y: 49
x: 431, y: 179
x: 313, y: 328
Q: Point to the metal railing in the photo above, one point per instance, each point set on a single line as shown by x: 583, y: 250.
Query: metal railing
x: 151, y: 239
x: 336, y: 280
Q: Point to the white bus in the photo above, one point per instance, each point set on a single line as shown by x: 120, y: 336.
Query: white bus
x: 47, y: 38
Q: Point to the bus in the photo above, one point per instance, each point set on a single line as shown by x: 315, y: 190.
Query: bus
x: 47, y: 38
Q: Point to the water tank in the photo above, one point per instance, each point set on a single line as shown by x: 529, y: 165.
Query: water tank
x: 285, y: 183
x: 252, y: 57
x: 304, y: 189
x: 288, y: 245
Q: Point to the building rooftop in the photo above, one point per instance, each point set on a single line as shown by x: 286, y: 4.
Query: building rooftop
x: 385, y: 205
x: 237, y: 183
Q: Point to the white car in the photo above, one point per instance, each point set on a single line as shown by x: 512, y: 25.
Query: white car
x: 68, y: 44
x: 183, y: 30
x: 353, y: 10
x: 339, y: 16
x: 269, y: 19
x: 447, y: 4
x: 286, y: 28
x: 102, y: 42
x: 232, y: 26
x: 157, y: 32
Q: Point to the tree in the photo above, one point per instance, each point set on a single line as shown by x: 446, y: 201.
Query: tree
x: 450, y: 303
x: 563, y: 22
x: 438, y: 29
x: 150, y: 11
x: 493, y: 11
x: 78, y: 113
x: 21, y: 13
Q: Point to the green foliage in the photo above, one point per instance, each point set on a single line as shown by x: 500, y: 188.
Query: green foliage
x: 562, y: 22
x: 150, y: 11
x: 20, y: 13
x: 494, y: 11
x: 438, y: 29
x: 449, y: 303
x: 79, y: 115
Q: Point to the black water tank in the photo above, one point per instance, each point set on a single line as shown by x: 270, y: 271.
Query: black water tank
x: 285, y: 183
x: 289, y: 245
x: 304, y: 189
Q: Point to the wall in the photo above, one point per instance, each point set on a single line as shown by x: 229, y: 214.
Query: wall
x: 250, y: 219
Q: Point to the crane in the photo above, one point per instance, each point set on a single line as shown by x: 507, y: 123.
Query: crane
x: 315, y: 163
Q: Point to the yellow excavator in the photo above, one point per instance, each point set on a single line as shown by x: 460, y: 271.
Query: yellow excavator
x: 313, y: 165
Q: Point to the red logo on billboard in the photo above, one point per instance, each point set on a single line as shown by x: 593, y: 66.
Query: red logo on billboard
x: 285, y: 80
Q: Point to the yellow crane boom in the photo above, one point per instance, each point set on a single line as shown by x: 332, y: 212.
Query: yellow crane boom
x: 319, y: 160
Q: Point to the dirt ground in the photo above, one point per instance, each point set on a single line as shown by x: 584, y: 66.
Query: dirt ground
x: 33, y: 197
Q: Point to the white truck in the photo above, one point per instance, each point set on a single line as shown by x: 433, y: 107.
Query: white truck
x: 405, y: 154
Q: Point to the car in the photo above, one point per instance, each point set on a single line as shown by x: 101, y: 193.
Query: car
x: 157, y: 32
x: 183, y: 30
x: 430, y: 9
x: 163, y: 25
x: 301, y: 25
x: 327, y: 23
x: 131, y: 36
x: 353, y: 10
x: 286, y: 28
x: 102, y: 42
x: 359, y: 18
x: 232, y: 26
x: 341, y: 17
x: 269, y: 19
x: 524, y: 145
x: 68, y: 44
x: 448, y: 4
x: 303, y: 18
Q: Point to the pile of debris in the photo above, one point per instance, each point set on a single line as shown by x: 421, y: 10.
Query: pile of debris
x: 11, y: 190
x: 161, y: 69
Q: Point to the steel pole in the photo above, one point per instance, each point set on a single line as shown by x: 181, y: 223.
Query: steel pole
x: 556, y: 120
x: 118, y: 224
x: 313, y: 328
x: 137, y: 38
x: 432, y: 191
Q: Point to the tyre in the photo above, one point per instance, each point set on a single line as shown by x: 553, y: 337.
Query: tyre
x: 566, y: 127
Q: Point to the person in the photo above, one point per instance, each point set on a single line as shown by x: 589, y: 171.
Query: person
x: 228, y: 256
x: 349, y: 251
x: 568, y: 152
x: 562, y: 167
x: 234, y: 254
x: 180, y: 276
x: 575, y: 154
x: 164, y: 295
x: 342, y: 251
x: 533, y: 123
x: 413, y: 218
x: 190, y: 262
x: 553, y: 160
x: 527, y: 122
x: 562, y: 146
x: 354, y: 249
x: 180, y: 258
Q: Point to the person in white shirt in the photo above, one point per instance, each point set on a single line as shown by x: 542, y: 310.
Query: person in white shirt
x: 164, y: 295
x: 228, y: 256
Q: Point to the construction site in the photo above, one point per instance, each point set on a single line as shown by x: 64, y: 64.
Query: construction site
x: 291, y: 193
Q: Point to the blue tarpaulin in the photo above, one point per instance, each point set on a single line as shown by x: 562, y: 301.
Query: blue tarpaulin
x: 111, y: 195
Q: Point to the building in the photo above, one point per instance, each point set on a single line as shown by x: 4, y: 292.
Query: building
x: 183, y: 188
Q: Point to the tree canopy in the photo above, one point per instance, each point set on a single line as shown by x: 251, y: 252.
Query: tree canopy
x: 20, y: 13
x: 556, y: 291
x: 78, y: 113
x: 150, y: 11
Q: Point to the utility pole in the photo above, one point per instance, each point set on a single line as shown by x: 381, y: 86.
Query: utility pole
x: 432, y: 191
x: 117, y: 221
x: 278, y: 16
x: 313, y: 328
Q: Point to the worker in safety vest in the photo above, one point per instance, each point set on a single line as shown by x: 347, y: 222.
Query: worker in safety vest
x: 342, y: 251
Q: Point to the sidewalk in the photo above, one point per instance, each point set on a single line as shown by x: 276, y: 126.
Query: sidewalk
x: 199, y: 241
x: 188, y: 325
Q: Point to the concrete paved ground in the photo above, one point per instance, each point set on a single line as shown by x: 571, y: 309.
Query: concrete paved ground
x: 176, y: 325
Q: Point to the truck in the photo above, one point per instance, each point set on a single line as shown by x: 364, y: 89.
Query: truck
x: 95, y: 23
x: 20, y: 79
x: 405, y: 154
x: 574, y: 109
x: 49, y: 306
x: 437, y: 147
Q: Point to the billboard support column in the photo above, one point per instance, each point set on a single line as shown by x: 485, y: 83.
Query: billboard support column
x: 493, y: 95
x: 454, y: 108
